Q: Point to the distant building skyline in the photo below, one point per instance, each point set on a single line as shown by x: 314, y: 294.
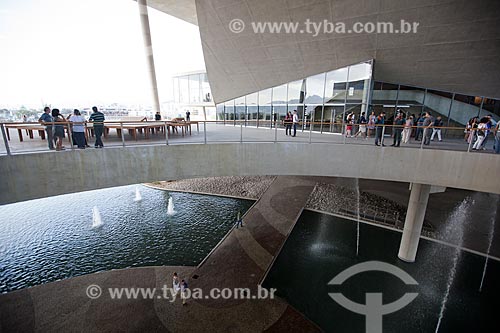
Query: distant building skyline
x: 73, y: 53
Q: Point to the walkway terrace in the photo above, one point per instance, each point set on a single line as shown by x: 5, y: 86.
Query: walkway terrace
x: 219, y: 133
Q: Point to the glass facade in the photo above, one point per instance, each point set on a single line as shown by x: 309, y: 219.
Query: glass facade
x: 319, y: 100
x: 325, y: 100
x: 192, y: 93
x: 455, y: 110
x: 192, y: 89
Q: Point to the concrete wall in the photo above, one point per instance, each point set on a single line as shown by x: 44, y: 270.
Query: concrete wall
x: 31, y: 176
x: 455, y: 49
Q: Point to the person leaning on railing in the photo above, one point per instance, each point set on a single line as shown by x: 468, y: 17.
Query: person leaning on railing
x: 78, y: 128
x: 47, y: 120
x: 379, y: 129
x: 288, y: 123
x: 58, y: 128
x: 98, y: 119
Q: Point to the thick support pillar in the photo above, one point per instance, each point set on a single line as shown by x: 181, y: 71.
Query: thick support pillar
x: 414, y: 221
x: 148, y: 46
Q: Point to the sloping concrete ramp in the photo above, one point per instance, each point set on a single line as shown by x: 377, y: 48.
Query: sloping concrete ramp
x: 242, y: 259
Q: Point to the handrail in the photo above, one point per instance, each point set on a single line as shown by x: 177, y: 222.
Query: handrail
x: 110, y: 122
x: 166, y: 124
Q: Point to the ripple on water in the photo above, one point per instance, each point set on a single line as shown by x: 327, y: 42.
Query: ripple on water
x: 51, y: 239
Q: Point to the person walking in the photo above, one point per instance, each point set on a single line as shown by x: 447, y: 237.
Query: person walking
x: 288, y: 123
x: 349, y: 125
x: 426, y: 126
x: 371, y: 123
x: 438, y: 123
x: 78, y: 125
x: 398, y: 129
x: 239, y: 221
x: 188, y: 115
x: 98, y: 119
x: 472, y: 137
x: 58, y: 128
x: 379, y: 128
x: 47, y: 120
x: 488, y: 126
x: 184, y: 291
x: 362, y: 126
x: 481, y: 134
x: 420, y: 124
x: 295, y: 121
x: 176, y: 285
x: 407, y: 129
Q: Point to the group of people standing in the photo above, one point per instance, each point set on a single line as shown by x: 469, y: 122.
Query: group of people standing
x: 478, y: 130
x: 426, y: 128
x: 179, y: 287
x: 289, y: 121
x: 55, y: 124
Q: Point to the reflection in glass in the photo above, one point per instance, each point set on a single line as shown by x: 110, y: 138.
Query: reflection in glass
x: 464, y: 108
x: 194, y: 88
x: 240, y: 110
x: 206, y: 93
x: 229, y: 111
x: 220, y: 113
x: 176, y: 90
x: 335, y: 90
x: 265, y: 100
x: 252, y: 109
x: 183, y: 89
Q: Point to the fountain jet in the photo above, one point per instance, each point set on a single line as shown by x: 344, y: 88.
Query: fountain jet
x: 138, y: 196
x: 170, y: 208
x: 96, y: 218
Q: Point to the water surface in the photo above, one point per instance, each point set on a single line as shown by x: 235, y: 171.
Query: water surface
x: 50, y: 239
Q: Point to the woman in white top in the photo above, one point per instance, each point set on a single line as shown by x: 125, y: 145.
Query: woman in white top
x: 481, y: 134
x: 78, y: 128
x: 407, y: 129
x: 176, y: 285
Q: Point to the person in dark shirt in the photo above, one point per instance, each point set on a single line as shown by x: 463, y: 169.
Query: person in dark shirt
x: 98, y: 119
x: 420, y: 131
x: 46, y: 119
x: 158, y: 116
x: 379, y: 128
x: 188, y: 115
x: 426, y: 126
x: 438, y: 123
x: 58, y: 128
x: 362, y: 126
x: 398, y: 129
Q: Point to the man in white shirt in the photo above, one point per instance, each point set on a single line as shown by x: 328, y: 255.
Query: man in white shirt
x: 295, y: 122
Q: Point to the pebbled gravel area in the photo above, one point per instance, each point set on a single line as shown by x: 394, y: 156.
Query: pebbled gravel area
x: 251, y: 187
x: 342, y: 200
x: 325, y: 197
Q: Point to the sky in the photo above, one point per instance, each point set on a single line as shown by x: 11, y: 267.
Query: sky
x: 79, y: 53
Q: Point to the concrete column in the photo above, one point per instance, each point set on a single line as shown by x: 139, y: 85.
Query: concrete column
x: 414, y: 221
x: 148, y: 47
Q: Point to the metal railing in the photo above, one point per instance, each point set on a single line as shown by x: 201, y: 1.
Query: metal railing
x: 250, y: 130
